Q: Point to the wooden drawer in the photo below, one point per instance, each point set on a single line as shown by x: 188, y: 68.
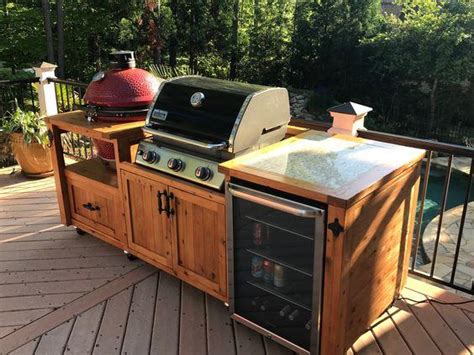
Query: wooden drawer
x: 97, y: 207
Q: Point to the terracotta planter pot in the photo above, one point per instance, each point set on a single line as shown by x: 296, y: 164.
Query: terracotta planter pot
x: 34, y: 159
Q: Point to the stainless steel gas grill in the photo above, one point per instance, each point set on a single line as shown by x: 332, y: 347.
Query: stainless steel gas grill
x: 197, y: 123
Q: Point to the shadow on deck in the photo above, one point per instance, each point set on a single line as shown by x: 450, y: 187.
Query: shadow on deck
x: 65, y: 293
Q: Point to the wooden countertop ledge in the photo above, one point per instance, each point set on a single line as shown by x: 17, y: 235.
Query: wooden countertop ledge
x: 336, y: 170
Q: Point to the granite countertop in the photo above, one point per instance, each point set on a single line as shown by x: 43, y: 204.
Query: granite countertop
x: 334, y: 165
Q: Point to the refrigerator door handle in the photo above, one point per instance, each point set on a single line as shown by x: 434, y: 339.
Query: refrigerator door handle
x: 277, y: 203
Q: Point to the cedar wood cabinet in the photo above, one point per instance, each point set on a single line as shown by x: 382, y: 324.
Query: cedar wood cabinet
x: 121, y: 206
x: 189, y: 242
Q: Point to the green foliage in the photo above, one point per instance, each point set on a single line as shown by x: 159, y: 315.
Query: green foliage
x: 22, y: 39
x: 166, y: 72
x: 426, y: 58
x: 413, y: 68
x: 29, y: 123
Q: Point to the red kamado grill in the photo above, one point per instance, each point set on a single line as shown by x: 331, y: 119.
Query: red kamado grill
x: 121, y: 94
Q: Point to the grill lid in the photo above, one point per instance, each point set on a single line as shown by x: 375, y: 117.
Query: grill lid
x: 199, y: 107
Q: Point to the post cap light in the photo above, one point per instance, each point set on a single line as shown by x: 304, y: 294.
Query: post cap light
x: 348, y: 118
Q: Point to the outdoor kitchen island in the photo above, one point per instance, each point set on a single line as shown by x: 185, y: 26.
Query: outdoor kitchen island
x: 319, y: 233
x: 355, y: 214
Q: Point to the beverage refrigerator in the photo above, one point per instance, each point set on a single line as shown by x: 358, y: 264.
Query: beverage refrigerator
x: 276, y: 252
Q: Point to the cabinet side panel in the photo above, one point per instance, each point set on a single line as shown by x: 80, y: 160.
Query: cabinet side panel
x: 334, y: 303
x: 377, y: 250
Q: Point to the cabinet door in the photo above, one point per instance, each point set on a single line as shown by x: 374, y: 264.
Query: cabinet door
x: 198, y: 229
x: 147, y: 228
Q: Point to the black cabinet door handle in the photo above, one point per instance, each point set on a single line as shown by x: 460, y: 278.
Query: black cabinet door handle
x: 169, y: 209
x: 90, y: 207
x: 160, y: 202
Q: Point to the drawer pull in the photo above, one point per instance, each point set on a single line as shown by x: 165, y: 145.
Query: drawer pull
x: 88, y: 206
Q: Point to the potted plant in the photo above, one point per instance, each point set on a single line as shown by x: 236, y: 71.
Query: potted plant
x: 29, y: 141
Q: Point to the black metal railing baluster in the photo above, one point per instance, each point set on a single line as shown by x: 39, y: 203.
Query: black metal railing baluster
x: 62, y: 98
x: 461, y: 224
x: 67, y: 98
x: 422, y: 206
x: 442, y: 209
x: 33, y: 105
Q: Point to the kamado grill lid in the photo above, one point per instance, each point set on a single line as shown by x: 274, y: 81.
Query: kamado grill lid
x: 199, y: 107
x: 123, y: 92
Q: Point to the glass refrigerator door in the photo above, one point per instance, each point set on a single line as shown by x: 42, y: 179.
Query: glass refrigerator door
x: 277, y: 268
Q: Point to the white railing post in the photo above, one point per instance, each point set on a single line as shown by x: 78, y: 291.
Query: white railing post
x: 46, y: 92
x: 348, y: 118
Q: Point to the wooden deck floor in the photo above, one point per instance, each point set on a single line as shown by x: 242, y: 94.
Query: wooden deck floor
x: 61, y: 293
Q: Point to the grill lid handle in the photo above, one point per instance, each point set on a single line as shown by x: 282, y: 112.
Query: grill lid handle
x: 184, y: 140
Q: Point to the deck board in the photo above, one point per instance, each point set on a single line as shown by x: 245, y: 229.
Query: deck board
x: 117, y: 306
x: 192, y: 335
x: 140, y: 320
x: 437, y: 328
x: 54, y: 342
x: 165, y: 335
x: 247, y: 341
x: 113, y: 324
x: 27, y: 349
x: 388, y: 336
x: 220, y: 336
x: 84, y: 332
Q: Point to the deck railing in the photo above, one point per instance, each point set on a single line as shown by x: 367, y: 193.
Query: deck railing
x: 450, y: 236
x: 21, y: 92
x: 427, y: 261
x: 70, y: 94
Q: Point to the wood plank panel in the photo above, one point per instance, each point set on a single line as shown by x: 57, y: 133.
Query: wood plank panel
x: 220, y: 334
x: 25, y: 221
x: 63, y: 244
x: 83, y: 334
x: 48, y: 234
x: 459, y: 323
x: 273, y: 348
x: 165, y: 336
x: 50, y: 288
x: 22, y: 205
x: 55, y: 264
x: 140, y: 321
x: 54, y: 342
x: 7, y: 330
x: 27, y: 193
x: 65, y: 253
x: 411, y: 330
x: 200, y: 248
x: 437, y: 328
x: 27, y: 349
x: 388, y: 337
x: 114, y: 322
x: 469, y: 315
x: 367, y: 345
x: 34, y: 302
x: 49, y: 321
x: 192, y: 336
x: 15, y: 318
x: 33, y: 228
x: 32, y: 213
x: 247, y: 341
x: 438, y: 293
x: 66, y: 275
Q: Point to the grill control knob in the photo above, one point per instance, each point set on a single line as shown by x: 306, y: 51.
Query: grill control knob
x: 150, y: 157
x: 175, y: 164
x: 203, y: 173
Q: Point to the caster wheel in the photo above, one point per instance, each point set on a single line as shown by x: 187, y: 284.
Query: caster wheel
x: 130, y: 257
x: 80, y: 231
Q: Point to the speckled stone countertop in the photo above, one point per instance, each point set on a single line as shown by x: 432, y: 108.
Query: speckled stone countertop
x: 338, y: 166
